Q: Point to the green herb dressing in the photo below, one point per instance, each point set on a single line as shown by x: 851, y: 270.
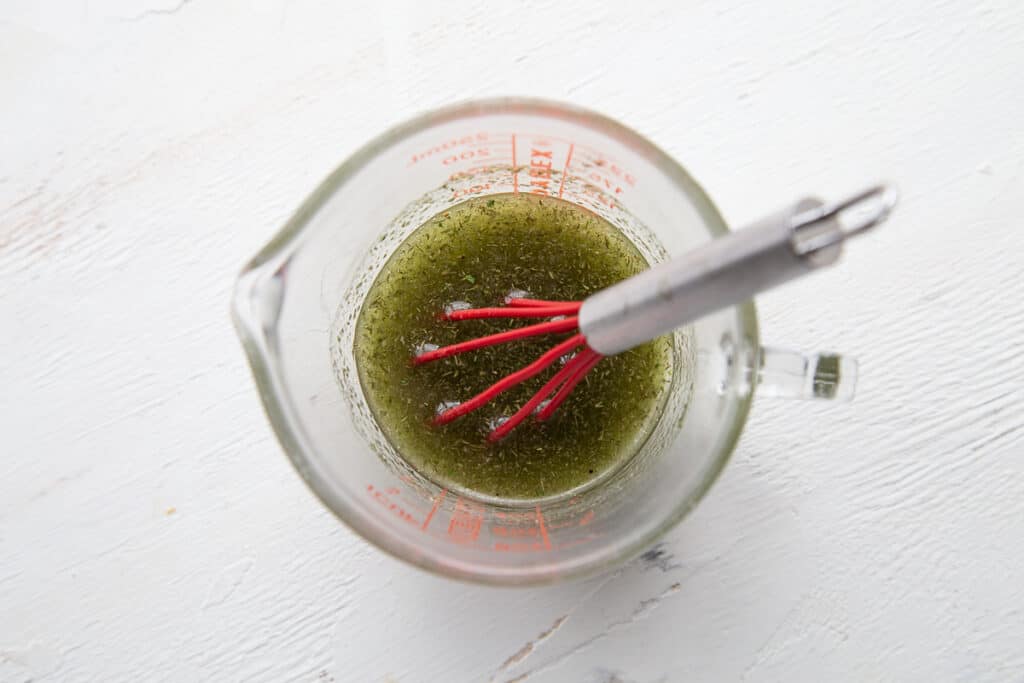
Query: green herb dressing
x: 477, y: 252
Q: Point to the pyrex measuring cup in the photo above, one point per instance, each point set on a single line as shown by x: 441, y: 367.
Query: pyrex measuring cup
x: 296, y: 302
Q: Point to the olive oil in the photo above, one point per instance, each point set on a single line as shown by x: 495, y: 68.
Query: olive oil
x: 478, y: 252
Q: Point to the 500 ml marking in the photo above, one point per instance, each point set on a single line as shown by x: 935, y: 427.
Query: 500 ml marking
x: 480, y: 146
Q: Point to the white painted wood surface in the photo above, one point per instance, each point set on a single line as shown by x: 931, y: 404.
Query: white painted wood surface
x: 150, y: 528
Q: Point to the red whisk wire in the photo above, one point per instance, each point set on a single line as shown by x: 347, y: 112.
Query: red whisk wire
x: 567, y: 371
x: 540, y: 303
x: 558, y: 387
x: 512, y: 312
x: 570, y: 384
x: 551, y: 327
x: 512, y: 380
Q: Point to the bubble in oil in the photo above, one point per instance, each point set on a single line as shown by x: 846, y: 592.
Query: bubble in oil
x: 453, y: 306
x: 445, y: 405
x: 425, y: 347
x: 496, y: 422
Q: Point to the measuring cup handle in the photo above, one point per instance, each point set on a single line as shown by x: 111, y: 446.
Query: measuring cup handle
x: 790, y: 374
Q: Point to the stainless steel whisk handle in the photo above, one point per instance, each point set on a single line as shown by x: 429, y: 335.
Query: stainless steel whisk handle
x: 804, y: 237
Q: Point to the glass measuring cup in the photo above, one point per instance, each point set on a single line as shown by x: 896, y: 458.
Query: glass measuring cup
x: 295, y: 305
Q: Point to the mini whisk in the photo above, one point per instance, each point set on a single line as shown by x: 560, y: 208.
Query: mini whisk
x: 806, y: 236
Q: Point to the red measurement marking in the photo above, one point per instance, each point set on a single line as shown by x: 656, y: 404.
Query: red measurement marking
x: 433, y: 510
x: 466, y: 155
x: 552, y: 526
x: 473, y: 189
x: 465, y: 523
x: 447, y: 145
x: 492, y: 165
x: 628, y: 177
x: 565, y: 170
x: 577, y: 541
x: 616, y: 170
x: 519, y: 547
x: 540, y: 169
x: 608, y: 184
x: 583, y: 520
x: 600, y: 197
x: 543, y: 529
x: 516, y: 516
x: 515, y: 171
x: 391, y: 506
x: 514, y: 531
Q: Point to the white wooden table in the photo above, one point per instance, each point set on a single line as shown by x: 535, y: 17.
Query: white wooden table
x: 150, y: 528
